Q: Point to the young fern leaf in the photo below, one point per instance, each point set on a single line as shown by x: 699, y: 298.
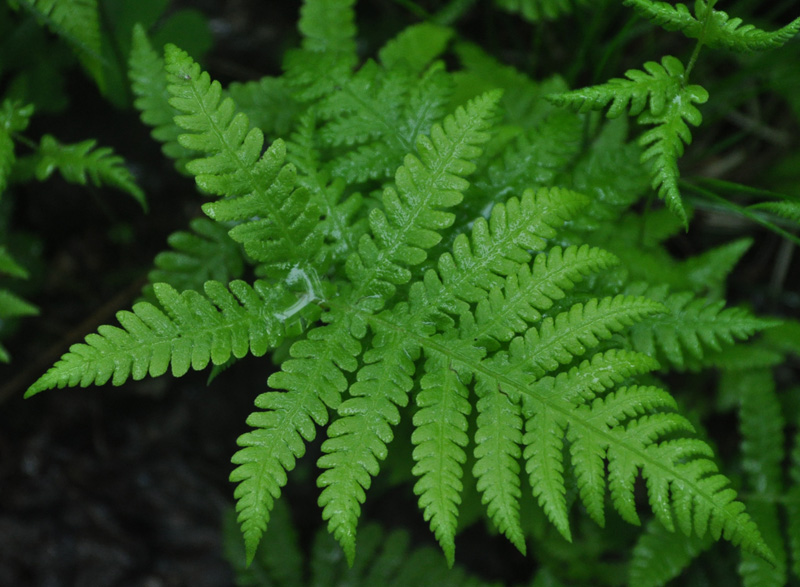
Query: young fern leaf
x: 313, y: 379
x: 658, y: 97
x: 195, y: 330
x: 149, y: 86
x: 660, y: 555
x: 76, y: 162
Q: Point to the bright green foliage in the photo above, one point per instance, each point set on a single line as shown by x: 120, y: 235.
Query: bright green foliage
x: 194, y: 331
x: 536, y: 10
x: 81, y: 162
x: 713, y: 28
x: 450, y: 256
x: 658, y: 96
x: 77, y: 22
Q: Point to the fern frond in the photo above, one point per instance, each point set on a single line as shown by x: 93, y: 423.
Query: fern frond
x: 194, y: 331
x: 206, y: 253
x: 658, y: 97
x: 652, y: 89
x: 80, y: 162
x: 691, y: 327
x: 149, y: 86
x: 537, y: 10
x: 328, y: 52
x: 761, y: 424
x: 716, y: 29
x: 415, y: 47
x: 664, y: 144
x: 78, y: 23
x: 358, y: 439
x: 721, y: 31
x: 378, y: 114
x: 328, y: 26
x: 660, y: 555
x: 280, y: 233
x: 786, y: 209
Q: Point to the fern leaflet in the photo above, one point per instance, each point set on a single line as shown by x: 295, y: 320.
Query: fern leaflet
x: 195, y: 330
x: 76, y: 162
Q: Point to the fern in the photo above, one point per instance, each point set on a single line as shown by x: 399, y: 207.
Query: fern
x: 194, y: 331
x: 713, y: 28
x: 659, y: 97
x: 82, y: 161
x: 472, y: 288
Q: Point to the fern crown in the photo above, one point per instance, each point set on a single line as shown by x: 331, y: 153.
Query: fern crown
x: 412, y: 266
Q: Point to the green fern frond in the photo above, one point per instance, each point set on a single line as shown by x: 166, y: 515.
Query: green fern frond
x: 328, y: 26
x: 786, y: 209
x: 359, y: 437
x: 206, y: 253
x: 720, y: 31
x: 691, y: 327
x: 378, y: 114
x: 424, y: 184
x: 280, y: 233
x: 652, y: 89
x: 149, y: 86
x: 415, y: 47
x: 328, y: 51
x: 658, y: 97
x: 761, y: 424
x: 713, y: 28
x: 660, y: 555
x: 77, y: 22
x: 663, y: 144
x: 80, y: 162
x: 537, y: 10
x: 194, y: 331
